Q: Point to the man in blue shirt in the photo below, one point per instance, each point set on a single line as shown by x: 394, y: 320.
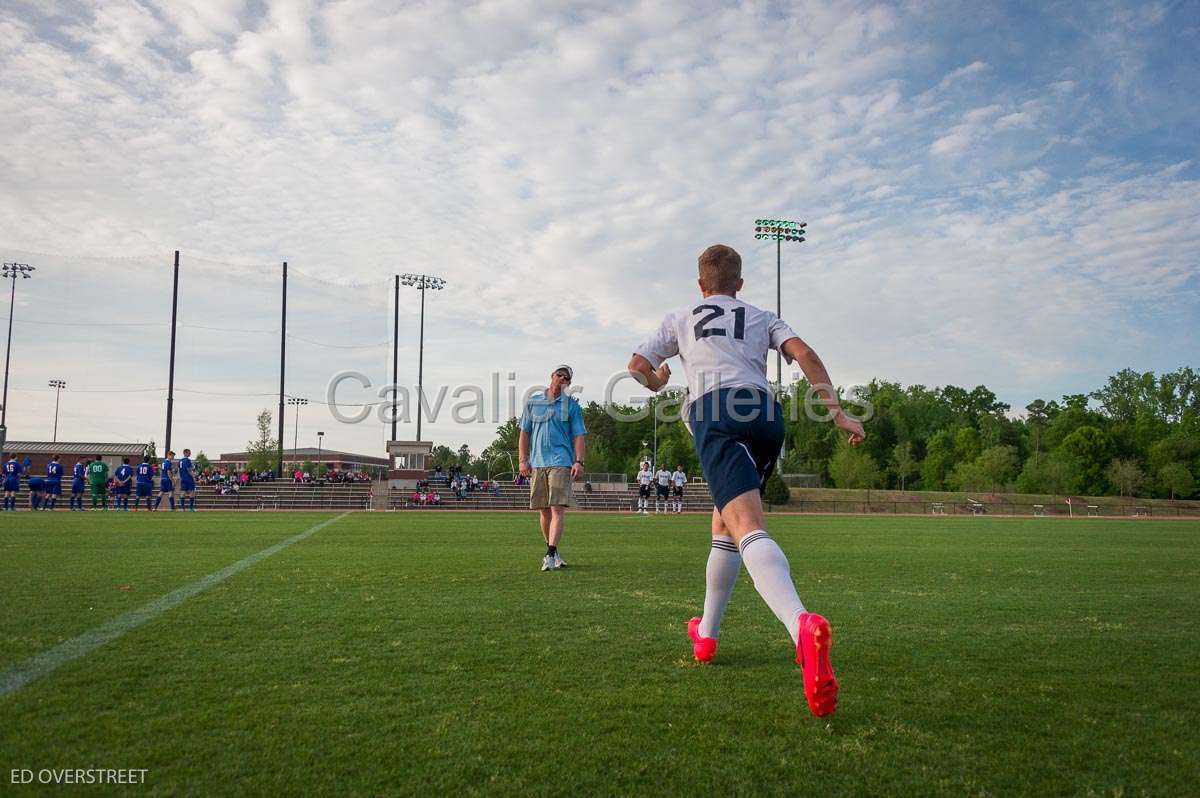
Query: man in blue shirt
x: 77, y: 476
x: 54, y: 475
x: 145, y: 483
x: 166, y: 486
x: 552, y: 443
x: 187, y: 482
x: 124, y: 478
x: 12, y: 482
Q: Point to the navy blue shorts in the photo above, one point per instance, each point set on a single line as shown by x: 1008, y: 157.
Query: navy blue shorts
x: 12, y: 483
x: 145, y: 489
x: 166, y: 486
x: 187, y: 485
x: 54, y: 487
x: 738, y: 433
x: 77, y: 486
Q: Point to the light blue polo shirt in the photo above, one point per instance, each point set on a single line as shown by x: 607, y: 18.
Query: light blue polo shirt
x: 553, y: 425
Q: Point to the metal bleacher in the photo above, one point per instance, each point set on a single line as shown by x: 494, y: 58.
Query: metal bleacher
x: 507, y: 496
x: 283, y: 495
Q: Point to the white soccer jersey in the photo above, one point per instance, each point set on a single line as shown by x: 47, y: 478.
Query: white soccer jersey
x: 721, y: 341
x: 645, y: 477
x: 664, y: 477
x: 679, y: 478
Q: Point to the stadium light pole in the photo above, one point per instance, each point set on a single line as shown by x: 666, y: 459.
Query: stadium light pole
x: 296, y: 402
x: 11, y: 270
x: 171, y: 366
x: 779, y: 230
x: 320, y: 438
x: 282, y: 364
x: 57, y: 385
x: 421, y: 282
x: 395, y: 352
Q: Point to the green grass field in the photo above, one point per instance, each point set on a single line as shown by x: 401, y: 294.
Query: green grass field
x: 426, y: 654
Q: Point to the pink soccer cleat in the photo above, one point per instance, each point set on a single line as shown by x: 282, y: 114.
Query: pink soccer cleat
x: 704, y: 648
x: 812, y: 654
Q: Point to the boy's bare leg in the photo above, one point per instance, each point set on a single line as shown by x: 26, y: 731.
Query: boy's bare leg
x: 764, y: 560
x: 724, y: 564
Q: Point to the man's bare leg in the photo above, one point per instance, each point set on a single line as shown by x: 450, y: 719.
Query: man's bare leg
x: 545, y: 520
x: 558, y: 514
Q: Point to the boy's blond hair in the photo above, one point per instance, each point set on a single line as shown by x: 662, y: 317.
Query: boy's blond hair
x: 720, y: 269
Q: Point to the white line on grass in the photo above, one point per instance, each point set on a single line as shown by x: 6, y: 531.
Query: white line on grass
x: 39, y: 665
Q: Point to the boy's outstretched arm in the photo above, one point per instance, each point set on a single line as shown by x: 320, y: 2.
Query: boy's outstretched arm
x: 654, y: 379
x: 797, y: 351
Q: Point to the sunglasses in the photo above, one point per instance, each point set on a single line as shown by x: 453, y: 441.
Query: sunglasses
x: 562, y: 375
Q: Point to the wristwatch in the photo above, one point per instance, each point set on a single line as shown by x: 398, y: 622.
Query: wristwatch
x: 579, y: 461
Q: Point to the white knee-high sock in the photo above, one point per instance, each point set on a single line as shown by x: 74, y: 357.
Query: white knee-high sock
x: 724, y: 563
x: 769, y: 569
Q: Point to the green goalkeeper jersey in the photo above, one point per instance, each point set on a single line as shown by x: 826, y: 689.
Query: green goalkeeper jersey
x: 98, y: 471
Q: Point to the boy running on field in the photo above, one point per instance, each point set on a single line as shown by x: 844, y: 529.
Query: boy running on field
x: 738, y: 429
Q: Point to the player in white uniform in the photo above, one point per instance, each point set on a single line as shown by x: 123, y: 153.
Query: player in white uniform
x: 678, y: 480
x: 738, y: 429
x: 645, y: 478
x: 663, y: 477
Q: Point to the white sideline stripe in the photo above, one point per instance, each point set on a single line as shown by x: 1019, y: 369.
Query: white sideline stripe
x: 37, y: 666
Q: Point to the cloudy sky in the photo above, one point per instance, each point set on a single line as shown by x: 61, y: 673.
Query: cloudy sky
x: 1006, y: 195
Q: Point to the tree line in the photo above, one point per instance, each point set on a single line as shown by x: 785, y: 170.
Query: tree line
x: 1137, y: 435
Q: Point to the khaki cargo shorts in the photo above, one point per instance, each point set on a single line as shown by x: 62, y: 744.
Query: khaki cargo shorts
x: 550, y: 486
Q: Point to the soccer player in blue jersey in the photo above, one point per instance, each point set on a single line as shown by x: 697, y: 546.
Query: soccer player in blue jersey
x: 187, y: 482
x: 145, y: 483
x: 166, y: 482
x: 78, y: 472
x: 37, y: 491
x: 12, y: 482
x: 124, y: 478
x: 54, y: 475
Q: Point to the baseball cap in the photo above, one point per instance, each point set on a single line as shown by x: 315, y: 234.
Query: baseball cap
x: 564, y: 367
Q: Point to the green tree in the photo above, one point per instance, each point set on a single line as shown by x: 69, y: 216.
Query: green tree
x: 904, y: 462
x: 997, y: 465
x: 967, y: 444
x: 202, y: 462
x: 1177, y: 479
x: 261, y: 452
x: 1092, y: 447
x: 969, y: 477
x: 1038, y: 415
x: 776, y: 491
x: 1125, y: 475
x: 854, y: 468
x: 150, y: 452
x: 939, y: 461
x: 1060, y: 474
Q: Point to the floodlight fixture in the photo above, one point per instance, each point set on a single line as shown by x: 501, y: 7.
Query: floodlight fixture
x: 57, y: 385
x: 779, y: 231
x: 420, y: 282
x: 10, y: 270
